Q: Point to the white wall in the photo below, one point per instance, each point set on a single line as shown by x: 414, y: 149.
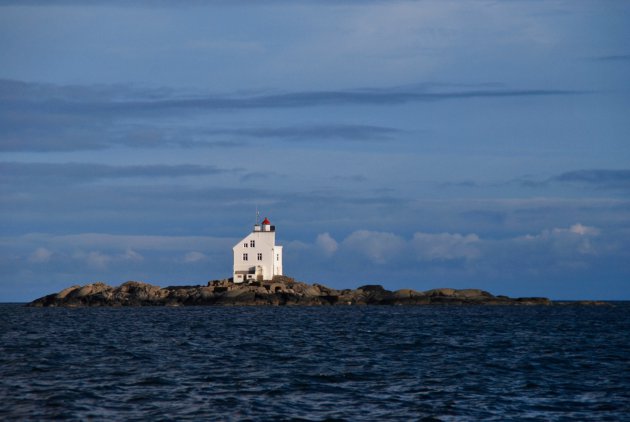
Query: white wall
x: 277, y: 263
x: 264, y: 244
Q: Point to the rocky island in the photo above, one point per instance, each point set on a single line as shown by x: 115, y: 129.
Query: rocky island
x: 280, y: 291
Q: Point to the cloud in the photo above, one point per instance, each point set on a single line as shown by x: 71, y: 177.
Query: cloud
x: 120, y: 206
x: 126, y: 246
x: 40, y: 132
x: 171, y: 206
x: 96, y: 259
x: 355, y: 178
x: 449, y: 249
x: 445, y: 246
x: 380, y: 97
x: 100, y: 260
x: 575, y: 240
x: 40, y: 255
x: 259, y: 175
x: 121, y: 100
x: 326, y: 244
x: 583, y: 230
x: 48, y: 117
x: 87, y: 172
x: 591, y: 178
x: 382, y: 247
x: 131, y: 255
x: 378, y: 247
x: 613, y: 58
x: 177, y: 4
x: 318, y: 132
x: 194, y: 256
x: 600, y: 178
x: 101, y: 254
x: 460, y: 184
x: 607, y: 179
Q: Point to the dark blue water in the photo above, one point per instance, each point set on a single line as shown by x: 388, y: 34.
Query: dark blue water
x: 371, y: 363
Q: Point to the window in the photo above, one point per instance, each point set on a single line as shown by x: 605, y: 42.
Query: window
x: 277, y: 257
x: 260, y: 257
x: 252, y: 243
x: 245, y: 244
x: 244, y: 257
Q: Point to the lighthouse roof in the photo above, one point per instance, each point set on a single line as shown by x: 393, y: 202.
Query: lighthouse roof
x: 266, y: 221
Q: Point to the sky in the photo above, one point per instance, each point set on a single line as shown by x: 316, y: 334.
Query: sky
x: 412, y: 144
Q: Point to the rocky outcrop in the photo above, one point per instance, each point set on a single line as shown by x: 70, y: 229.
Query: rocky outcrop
x: 584, y: 303
x: 279, y: 291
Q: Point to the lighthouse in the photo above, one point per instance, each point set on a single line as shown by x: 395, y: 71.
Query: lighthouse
x: 257, y: 257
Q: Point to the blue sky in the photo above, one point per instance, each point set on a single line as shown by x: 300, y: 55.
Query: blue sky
x: 415, y: 144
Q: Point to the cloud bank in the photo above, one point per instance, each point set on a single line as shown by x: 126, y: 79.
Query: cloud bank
x: 47, y: 117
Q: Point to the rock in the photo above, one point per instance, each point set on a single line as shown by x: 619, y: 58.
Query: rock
x: 90, y: 289
x: 311, y: 291
x: 407, y: 294
x: 584, y: 303
x: 281, y: 291
x: 472, y: 293
x: 532, y: 301
x: 372, y: 288
x: 440, y: 292
x: 234, y: 293
x: 62, y: 294
x: 206, y: 293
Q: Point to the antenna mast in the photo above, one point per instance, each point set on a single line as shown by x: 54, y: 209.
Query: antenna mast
x: 257, y: 214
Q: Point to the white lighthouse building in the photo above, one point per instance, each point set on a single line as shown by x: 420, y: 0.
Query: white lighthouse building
x: 257, y: 257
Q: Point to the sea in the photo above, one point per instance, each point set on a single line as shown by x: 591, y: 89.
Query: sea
x: 315, y: 363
